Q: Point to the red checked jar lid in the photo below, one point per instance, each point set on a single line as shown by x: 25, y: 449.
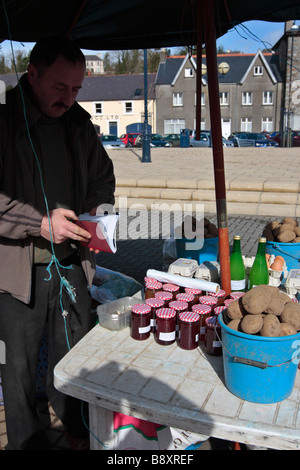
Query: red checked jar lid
x: 201, y: 309
x: 153, y: 284
x: 189, y: 317
x: 236, y: 295
x: 141, y: 308
x: 166, y: 313
x: 164, y: 295
x: 228, y: 301
x: 208, y: 300
x: 219, y: 309
x: 178, y: 305
x: 192, y: 290
x: 185, y: 297
x: 170, y: 287
x: 220, y: 293
x: 154, y: 302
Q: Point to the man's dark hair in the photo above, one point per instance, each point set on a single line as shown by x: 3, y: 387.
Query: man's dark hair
x: 47, y: 50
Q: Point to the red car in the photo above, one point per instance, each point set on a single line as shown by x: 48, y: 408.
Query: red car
x: 129, y: 139
x: 281, y: 137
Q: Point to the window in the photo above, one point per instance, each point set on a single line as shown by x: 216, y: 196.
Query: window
x: 224, y: 98
x: 189, y: 73
x: 173, y: 126
x: 177, y: 99
x: 202, y: 99
x: 258, y: 70
x: 98, y: 108
x: 267, y: 124
x: 128, y: 107
x: 267, y: 97
x: 246, y: 125
x: 247, y: 97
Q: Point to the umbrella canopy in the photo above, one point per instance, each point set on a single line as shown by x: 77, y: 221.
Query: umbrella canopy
x: 130, y: 24
x: 144, y: 24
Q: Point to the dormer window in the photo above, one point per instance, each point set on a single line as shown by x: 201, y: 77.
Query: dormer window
x: 189, y: 72
x: 258, y: 70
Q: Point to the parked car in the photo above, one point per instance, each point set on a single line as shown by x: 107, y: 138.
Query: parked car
x: 281, y: 138
x: 156, y: 140
x: 173, y: 139
x: 205, y: 140
x: 129, y: 139
x: 251, y: 139
x: 111, y: 141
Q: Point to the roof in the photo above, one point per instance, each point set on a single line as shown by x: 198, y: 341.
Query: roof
x: 116, y: 87
x: 239, y: 67
x: 105, y: 87
x: 92, y: 57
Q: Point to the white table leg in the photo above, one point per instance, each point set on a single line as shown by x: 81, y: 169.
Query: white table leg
x: 101, y: 427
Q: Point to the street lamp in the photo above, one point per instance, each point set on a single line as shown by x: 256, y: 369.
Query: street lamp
x: 146, y: 136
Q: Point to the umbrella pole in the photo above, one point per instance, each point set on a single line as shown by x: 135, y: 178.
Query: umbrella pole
x: 217, y: 143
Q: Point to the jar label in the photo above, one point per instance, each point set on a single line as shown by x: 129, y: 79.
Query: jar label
x: 216, y: 344
x: 144, y: 329
x: 197, y: 338
x: 202, y: 330
x: 152, y: 322
x: 238, y: 285
x: 167, y: 336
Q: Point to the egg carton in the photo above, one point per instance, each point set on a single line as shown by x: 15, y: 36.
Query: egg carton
x: 183, y: 267
x: 292, y: 283
x: 209, y: 271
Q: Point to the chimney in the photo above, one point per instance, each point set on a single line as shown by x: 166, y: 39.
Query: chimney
x: 163, y: 54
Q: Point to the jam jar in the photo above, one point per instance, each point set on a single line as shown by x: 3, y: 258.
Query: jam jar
x: 165, y: 333
x: 140, y: 321
x: 212, y: 343
x: 151, y: 287
x: 188, y: 335
x: 189, y: 298
x: 179, y: 307
x: 165, y: 296
x: 204, y: 311
x: 195, y: 292
x: 236, y: 295
x: 219, y: 309
x: 154, y: 303
x: 171, y: 288
x: 221, y: 294
x: 208, y: 300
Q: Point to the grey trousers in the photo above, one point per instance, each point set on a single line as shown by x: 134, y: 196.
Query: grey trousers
x: 21, y: 329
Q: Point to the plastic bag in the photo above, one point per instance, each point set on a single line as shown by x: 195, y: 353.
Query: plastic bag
x: 111, y: 285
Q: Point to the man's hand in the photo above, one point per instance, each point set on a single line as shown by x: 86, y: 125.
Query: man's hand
x: 62, y: 227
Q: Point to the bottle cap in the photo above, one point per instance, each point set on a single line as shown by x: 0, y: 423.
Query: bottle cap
x: 262, y: 240
x: 237, y: 237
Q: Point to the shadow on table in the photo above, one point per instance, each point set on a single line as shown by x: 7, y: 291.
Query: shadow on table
x: 158, y: 400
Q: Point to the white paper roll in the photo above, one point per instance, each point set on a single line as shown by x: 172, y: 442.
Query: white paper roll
x: 183, y: 281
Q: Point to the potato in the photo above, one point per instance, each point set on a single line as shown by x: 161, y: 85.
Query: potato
x: 268, y: 234
x: 282, y: 228
x: 235, y: 309
x: 286, y: 236
x: 290, y: 221
x: 212, y: 230
x: 256, y: 300
x: 276, y: 305
x: 286, y: 329
x: 271, y: 326
x: 296, y: 240
x: 291, y: 315
x: 285, y: 297
x: 272, y: 225
x: 251, y: 324
x: 235, y: 324
x: 297, y: 231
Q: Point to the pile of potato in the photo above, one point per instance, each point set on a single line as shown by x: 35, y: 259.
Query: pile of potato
x: 284, y: 231
x: 192, y: 228
x: 264, y: 310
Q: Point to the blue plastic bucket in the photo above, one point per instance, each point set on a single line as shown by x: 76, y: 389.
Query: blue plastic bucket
x: 198, y: 249
x: 289, y: 251
x: 259, y: 369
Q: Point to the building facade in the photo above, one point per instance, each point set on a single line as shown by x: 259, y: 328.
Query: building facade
x: 94, y: 64
x: 250, y: 93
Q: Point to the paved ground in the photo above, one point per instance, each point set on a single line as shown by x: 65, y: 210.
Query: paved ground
x: 262, y: 169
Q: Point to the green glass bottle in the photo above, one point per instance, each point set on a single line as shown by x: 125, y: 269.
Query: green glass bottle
x: 259, y: 273
x: 237, y: 268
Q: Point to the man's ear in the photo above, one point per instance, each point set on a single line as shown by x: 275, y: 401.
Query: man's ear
x: 31, y: 73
